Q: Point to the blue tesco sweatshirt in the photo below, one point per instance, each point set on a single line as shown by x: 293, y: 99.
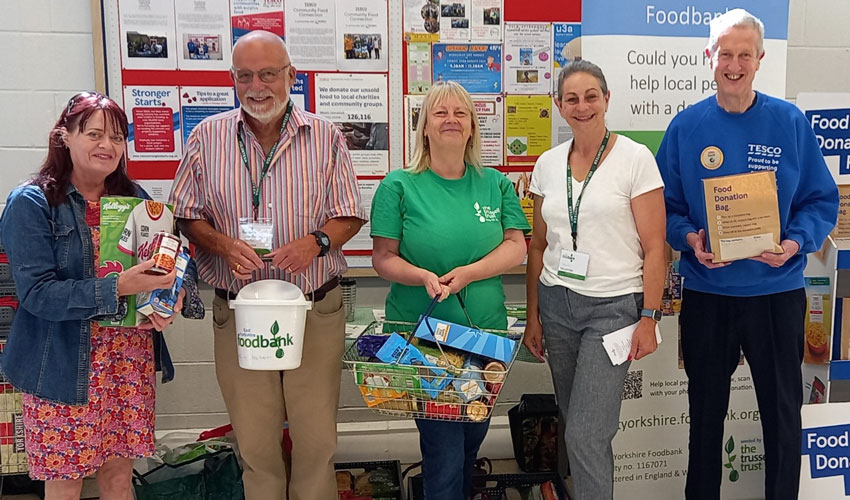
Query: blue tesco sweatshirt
x: 772, y: 135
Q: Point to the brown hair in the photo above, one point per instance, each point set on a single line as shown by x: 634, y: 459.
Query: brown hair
x: 55, y: 173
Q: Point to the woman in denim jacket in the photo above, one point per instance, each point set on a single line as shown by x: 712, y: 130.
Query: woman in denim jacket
x: 88, y: 399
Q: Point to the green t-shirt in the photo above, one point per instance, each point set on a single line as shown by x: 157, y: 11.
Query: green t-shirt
x: 442, y: 224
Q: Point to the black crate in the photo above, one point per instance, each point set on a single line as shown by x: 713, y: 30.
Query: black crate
x: 5, y: 272
x: 493, y: 486
x: 7, y: 290
x: 356, y: 469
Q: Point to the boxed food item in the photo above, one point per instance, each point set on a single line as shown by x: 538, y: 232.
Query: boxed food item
x: 394, y: 350
x: 743, y: 215
x: 162, y: 302
x: 467, y: 339
x: 127, y: 229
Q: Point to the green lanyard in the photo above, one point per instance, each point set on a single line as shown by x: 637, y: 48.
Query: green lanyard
x: 574, y: 213
x: 266, y: 164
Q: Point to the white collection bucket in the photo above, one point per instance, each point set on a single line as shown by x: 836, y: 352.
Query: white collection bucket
x: 270, y: 317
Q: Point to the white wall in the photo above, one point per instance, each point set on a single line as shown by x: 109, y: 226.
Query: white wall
x: 47, y: 57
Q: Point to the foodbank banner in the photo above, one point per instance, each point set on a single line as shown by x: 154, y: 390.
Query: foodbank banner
x: 653, y: 55
x: 825, y: 468
x: 651, y: 447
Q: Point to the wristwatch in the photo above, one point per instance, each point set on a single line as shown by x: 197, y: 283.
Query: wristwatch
x: 655, y: 314
x: 323, y: 241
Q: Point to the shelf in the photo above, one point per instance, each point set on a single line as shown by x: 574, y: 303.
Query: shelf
x: 368, y: 272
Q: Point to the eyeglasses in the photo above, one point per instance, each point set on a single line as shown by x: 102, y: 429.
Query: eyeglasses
x: 267, y: 75
x: 79, y: 98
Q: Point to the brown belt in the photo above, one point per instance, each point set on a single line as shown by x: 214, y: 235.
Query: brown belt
x: 316, y: 296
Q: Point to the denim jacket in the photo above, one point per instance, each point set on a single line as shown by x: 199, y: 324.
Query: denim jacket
x: 50, y: 249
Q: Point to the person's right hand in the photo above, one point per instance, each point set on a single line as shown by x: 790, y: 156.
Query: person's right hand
x: 241, y: 258
x: 432, y: 285
x: 134, y: 280
x: 533, y: 339
x: 697, y: 242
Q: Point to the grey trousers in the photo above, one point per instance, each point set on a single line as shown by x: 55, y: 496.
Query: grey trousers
x: 587, y: 386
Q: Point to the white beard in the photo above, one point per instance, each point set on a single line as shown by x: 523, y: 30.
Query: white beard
x: 266, y: 115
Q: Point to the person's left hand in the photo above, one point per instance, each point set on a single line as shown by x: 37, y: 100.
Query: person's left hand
x: 456, y: 279
x: 790, y: 249
x: 643, y: 340
x: 157, y: 322
x: 297, y: 255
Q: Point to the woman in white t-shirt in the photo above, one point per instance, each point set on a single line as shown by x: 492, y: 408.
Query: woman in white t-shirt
x: 595, y: 265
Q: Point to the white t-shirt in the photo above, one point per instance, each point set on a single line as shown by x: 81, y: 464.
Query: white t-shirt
x: 606, y: 225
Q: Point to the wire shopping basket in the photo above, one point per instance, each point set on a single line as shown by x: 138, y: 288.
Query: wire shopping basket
x: 428, y: 378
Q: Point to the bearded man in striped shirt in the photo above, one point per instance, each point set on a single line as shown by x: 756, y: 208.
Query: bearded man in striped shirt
x: 271, y: 161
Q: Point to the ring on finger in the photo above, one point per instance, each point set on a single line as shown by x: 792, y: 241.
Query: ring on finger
x: 238, y: 267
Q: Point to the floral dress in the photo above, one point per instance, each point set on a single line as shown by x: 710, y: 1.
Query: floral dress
x: 73, y: 441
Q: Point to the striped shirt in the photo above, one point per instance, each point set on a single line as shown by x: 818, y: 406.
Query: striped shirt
x: 310, y: 180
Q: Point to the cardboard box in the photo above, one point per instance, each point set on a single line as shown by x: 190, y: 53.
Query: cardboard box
x: 467, y: 339
x: 432, y: 378
x: 127, y: 227
x: 818, y: 319
x: 162, y: 302
x: 743, y: 215
x: 842, y: 229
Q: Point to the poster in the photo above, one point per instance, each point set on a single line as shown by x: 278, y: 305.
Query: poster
x: 357, y: 103
x: 418, y: 68
x: 528, y: 58
x: 154, y: 115
x: 561, y: 130
x: 825, y: 465
x: 361, y: 35
x: 486, y: 21
x: 203, y: 35
x: 310, y: 29
x: 412, y: 110
x: 528, y: 128
x: 829, y: 115
x: 300, y: 91
x: 421, y: 21
x: 651, y: 446
x: 362, y: 240
x: 158, y: 189
x: 477, y: 67
x: 147, y: 34
x: 653, y: 55
x: 566, y: 47
x: 490, y: 110
x: 197, y: 103
x: 454, y: 20
x: 522, y: 182
x: 250, y: 15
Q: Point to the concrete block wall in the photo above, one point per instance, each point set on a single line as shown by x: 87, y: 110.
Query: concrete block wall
x: 47, y: 57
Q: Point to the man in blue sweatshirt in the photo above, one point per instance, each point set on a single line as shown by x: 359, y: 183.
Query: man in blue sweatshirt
x: 756, y: 304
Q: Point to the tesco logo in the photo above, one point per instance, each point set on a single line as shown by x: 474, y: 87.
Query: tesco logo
x: 763, y: 150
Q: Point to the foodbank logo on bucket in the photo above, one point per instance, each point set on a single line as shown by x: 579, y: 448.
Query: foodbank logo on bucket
x: 828, y: 449
x: 262, y: 342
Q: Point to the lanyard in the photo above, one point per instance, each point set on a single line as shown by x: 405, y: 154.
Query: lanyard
x: 574, y: 212
x: 266, y: 164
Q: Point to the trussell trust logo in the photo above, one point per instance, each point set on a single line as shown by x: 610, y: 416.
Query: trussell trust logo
x: 485, y: 213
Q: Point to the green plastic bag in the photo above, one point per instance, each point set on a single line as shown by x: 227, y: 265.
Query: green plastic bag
x: 219, y: 479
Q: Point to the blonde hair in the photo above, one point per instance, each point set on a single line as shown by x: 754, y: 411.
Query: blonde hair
x: 735, y: 18
x: 421, y: 159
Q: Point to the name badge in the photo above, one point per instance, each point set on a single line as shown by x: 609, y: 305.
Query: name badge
x: 259, y: 234
x: 573, y: 265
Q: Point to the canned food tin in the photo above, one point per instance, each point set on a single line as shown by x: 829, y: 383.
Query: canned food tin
x: 477, y: 411
x: 165, y: 248
x: 494, y: 371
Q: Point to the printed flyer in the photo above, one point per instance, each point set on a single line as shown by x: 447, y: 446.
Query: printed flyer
x: 300, y: 91
x: 148, y: 36
x: 310, y: 34
x: 203, y: 35
x: 361, y: 35
x: 566, y: 47
x: 487, y: 21
x: 454, y: 20
x: 357, y: 103
x: 197, y: 103
x: 528, y: 128
x: 154, y: 115
x: 490, y: 110
x: 528, y: 58
x: 478, y: 68
x: 418, y: 68
x: 412, y: 109
x: 362, y: 240
x: 250, y: 15
x: 421, y: 21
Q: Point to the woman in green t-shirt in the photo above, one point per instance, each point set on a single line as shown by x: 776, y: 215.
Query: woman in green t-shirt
x: 447, y: 226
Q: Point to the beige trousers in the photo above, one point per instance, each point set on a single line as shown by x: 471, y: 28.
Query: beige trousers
x: 257, y: 400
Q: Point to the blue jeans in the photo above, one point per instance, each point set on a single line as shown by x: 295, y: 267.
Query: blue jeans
x: 449, y: 451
